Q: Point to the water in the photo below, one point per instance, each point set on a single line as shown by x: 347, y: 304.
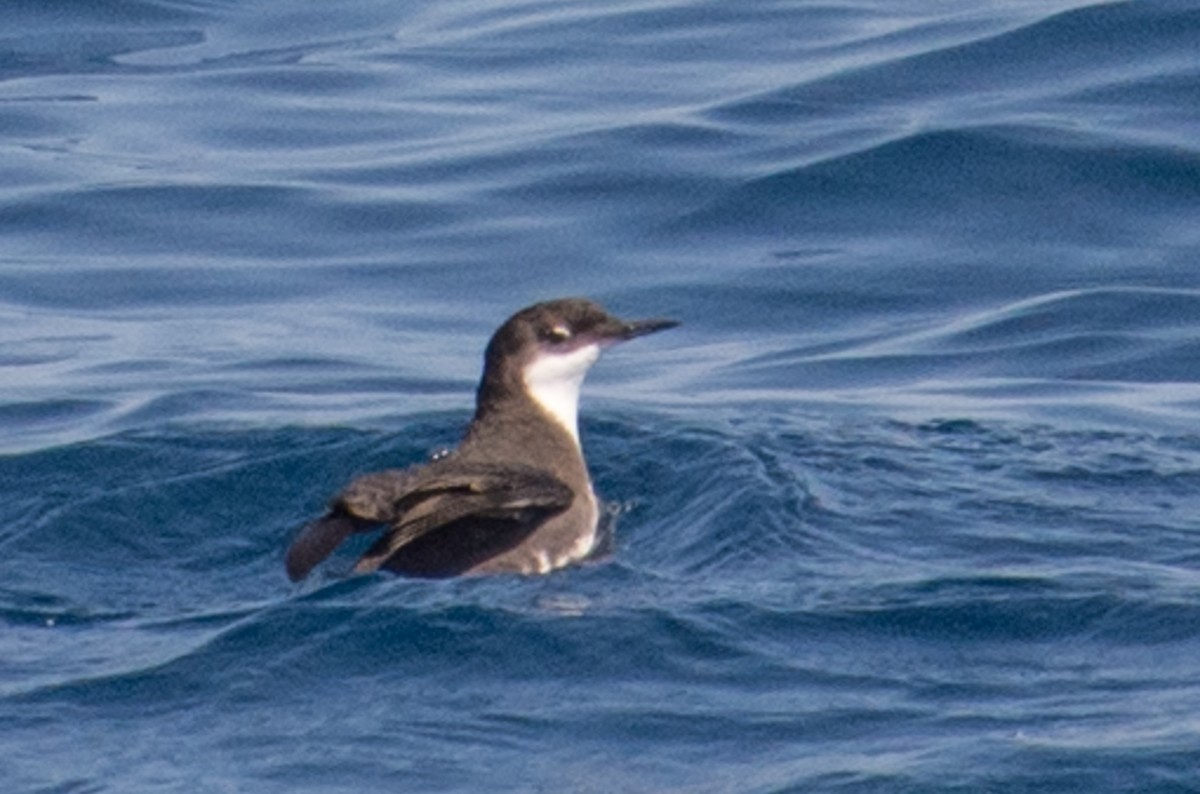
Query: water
x: 907, y: 504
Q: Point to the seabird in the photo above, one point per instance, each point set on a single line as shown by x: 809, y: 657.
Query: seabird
x: 515, y: 496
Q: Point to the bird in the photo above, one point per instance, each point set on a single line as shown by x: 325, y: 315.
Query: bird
x: 515, y: 496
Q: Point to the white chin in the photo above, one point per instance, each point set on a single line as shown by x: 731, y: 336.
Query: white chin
x: 554, y: 380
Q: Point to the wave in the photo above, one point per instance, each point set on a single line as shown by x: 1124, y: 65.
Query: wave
x: 800, y: 577
x: 1111, y: 335
x: 1005, y: 183
x: 806, y: 502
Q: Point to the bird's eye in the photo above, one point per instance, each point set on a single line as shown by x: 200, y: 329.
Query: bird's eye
x: 557, y: 333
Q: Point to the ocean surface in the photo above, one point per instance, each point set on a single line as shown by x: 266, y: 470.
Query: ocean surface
x: 909, y: 503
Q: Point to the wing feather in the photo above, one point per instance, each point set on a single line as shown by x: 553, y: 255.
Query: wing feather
x: 518, y: 494
x: 423, y: 499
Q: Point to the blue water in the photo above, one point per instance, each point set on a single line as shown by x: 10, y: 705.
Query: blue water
x: 908, y: 504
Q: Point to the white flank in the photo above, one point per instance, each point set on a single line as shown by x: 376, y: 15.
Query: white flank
x: 583, y: 547
x: 554, y: 380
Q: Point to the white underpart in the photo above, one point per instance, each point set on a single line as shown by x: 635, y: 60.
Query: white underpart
x: 583, y: 546
x: 587, y: 541
x: 554, y: 381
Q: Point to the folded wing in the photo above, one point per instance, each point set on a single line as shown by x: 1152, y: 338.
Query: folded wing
x: 422, y: 500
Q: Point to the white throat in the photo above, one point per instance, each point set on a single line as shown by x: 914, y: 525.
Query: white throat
x: 554, y: 380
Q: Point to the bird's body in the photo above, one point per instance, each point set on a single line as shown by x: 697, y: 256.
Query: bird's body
x: 515, y: 496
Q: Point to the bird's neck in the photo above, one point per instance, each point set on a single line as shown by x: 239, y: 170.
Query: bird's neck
x: 512, y: 427
x: 547, y: 385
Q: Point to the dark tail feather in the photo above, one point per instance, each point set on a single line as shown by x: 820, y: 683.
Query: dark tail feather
x: 317, y: 541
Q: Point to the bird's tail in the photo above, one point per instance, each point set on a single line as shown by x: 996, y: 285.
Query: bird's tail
x: 317, y: 540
